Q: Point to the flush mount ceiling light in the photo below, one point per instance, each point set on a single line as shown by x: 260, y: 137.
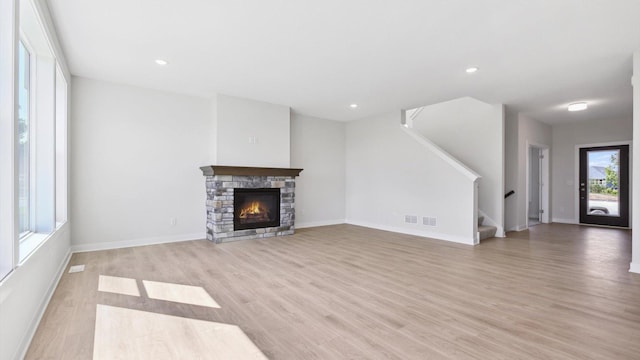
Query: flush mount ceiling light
x: 161, y: 62
x: 579, y: 106
x: 471, y: 70
x: 353, y: 106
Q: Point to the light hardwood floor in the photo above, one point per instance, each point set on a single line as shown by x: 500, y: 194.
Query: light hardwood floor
x: 347, y: 292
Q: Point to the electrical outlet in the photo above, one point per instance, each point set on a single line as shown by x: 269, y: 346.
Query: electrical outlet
x: 173, y: 221
x: 428, y: 221
x: 411, y: 219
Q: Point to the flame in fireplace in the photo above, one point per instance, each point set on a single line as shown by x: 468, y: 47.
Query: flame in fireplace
x: 255, y: 209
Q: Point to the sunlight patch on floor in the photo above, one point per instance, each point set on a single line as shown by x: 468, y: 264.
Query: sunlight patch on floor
x: 185, y: 294
x: 133, y: 334
x: 118, y: 285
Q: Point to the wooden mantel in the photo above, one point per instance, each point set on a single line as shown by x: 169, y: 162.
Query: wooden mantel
x: 211, y: 170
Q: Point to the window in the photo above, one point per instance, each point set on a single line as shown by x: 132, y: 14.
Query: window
x: 24, y: 141
x: 33, y: 140
x: 41, y: 154
x: 8, y: 113
x: 61, y: 148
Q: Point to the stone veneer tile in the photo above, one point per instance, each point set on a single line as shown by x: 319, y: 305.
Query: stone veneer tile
x: 219, y: 206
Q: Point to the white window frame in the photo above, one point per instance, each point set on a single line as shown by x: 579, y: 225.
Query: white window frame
x: 8, y: 133
x: 61, y: 146
x: 42, y: 135
x: 48, y: 135
x: 32, y: 138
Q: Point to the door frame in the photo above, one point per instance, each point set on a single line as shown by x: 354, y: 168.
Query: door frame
x: 576, y: 179
x: 544, y: 176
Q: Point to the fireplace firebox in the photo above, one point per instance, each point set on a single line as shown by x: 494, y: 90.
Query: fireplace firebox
x: 256, y: 208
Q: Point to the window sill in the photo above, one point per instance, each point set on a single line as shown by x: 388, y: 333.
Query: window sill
x: 29, y: 244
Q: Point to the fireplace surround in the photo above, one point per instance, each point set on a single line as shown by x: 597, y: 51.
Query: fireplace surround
x: 227, y: 188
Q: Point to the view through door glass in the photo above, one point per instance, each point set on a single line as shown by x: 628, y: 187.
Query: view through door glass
x: 604, y: 174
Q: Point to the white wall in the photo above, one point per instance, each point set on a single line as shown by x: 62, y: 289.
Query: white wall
x: 318, y: 147
x: 511, y: 169
x: 238, y: 120
x: 390, y: 175
x: 565, y: 138
x: 135, y: 158
x: 530, y: 132
x: 472, y: 131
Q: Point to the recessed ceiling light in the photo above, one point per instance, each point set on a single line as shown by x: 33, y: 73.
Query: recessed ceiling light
x: 471, y: 70
x: 579, y: 106
x: 161, y: 62
x: 353, y: 106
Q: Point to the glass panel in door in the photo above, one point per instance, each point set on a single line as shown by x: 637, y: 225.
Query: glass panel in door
x: 604, y: 177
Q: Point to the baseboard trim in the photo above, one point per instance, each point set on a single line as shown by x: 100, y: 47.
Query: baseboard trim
x: 564, y: 221
x: 136, y: 242
x: 35, y: 322
x: 634, y: 268
x: 516, y: 228
x: 310, y: 224
x: 430, y: 235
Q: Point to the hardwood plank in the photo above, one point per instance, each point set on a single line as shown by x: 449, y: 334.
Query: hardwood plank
x: 347, y: 292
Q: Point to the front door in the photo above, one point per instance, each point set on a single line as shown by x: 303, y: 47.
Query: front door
x: 604, y: 185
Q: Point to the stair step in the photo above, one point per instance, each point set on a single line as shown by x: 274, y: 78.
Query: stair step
x: 480, y: 220
x: 487, y: 232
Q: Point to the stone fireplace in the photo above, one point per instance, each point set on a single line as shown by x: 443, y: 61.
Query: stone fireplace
x: 249, y: 202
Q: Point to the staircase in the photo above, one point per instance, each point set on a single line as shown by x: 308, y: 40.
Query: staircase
x: 452, y: 128
x: 485, y: 231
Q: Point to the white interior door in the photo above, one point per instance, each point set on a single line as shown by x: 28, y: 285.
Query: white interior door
x: 535, y: 186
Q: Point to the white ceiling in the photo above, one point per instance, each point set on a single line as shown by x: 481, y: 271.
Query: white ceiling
x: 319, y: 56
